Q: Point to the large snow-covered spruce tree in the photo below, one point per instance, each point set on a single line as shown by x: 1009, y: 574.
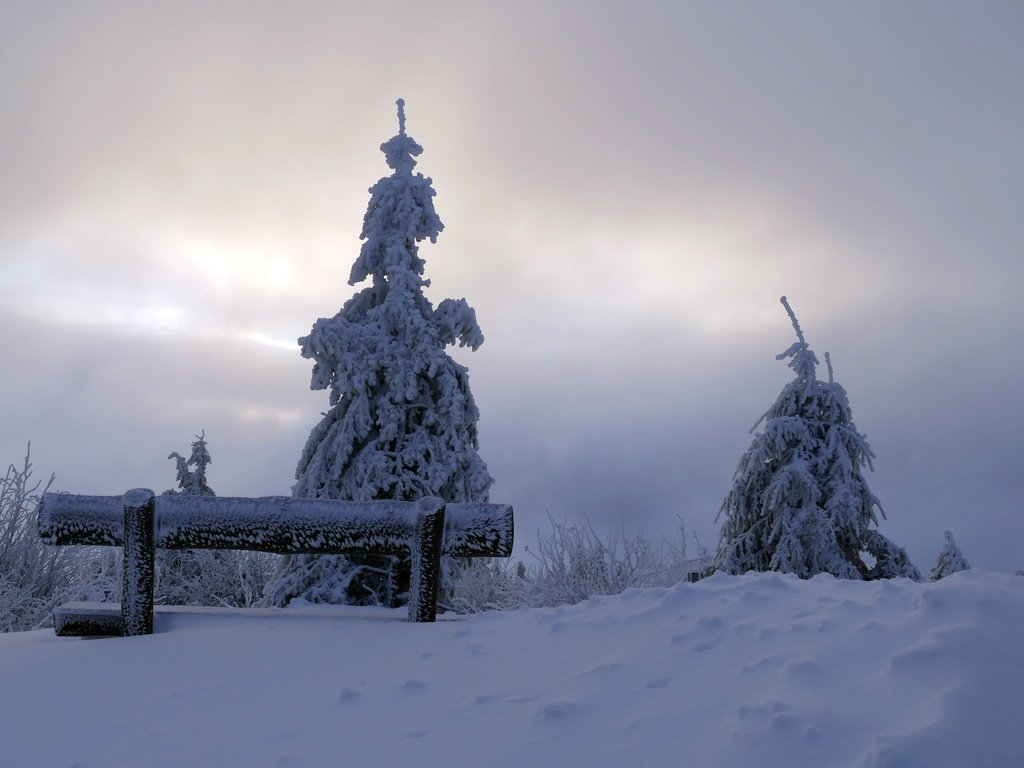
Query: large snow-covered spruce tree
x: 799, y: 502
x: 402, y: 423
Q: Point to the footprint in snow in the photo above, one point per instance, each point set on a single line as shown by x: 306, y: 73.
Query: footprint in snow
x: 558, y: 710
x: 525, y: 699
x: 707, y: 645
x: 702, y: 627
x: 599, y: 670
x: 805, y: 670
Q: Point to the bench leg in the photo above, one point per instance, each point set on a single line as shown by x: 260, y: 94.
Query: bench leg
x: 139, y: 562
x: 426, y: 560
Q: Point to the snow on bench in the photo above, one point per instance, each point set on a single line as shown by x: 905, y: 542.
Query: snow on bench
x: 141, y: 522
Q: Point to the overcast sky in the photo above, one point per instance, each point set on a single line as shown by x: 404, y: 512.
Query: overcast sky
x: 627, y: 190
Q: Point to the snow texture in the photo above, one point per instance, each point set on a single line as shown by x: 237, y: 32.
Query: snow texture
x: 65, y: 518
x: 761, y: 670
x: 951, y: 560
x: 799, y: 502
x: 402, y: 423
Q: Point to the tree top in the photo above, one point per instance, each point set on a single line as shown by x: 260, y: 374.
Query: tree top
x: 792, y: 318
x: 401, y: 148
x: 803, y: 359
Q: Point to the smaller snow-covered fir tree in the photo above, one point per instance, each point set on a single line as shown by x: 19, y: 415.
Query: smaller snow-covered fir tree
x: 799, y: 502
x: 206, y: 577
x: 951, y: 560
x: 192, y: 482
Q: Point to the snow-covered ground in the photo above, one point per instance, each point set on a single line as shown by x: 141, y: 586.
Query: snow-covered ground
x: 761, y: 670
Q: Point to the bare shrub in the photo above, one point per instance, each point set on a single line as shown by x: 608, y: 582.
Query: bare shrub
x: 231, y: 578
x: 31, y: 574
x: 573, y: 563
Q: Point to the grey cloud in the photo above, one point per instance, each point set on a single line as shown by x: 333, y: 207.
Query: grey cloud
x: 627, y: 190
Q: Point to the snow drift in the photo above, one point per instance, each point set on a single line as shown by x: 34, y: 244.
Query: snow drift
x: 758, y: 670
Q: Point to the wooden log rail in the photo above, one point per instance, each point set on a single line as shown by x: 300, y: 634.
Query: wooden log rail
x: 141, y: 522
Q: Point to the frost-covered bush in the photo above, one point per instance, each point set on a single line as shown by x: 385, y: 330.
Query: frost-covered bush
x: 95, y: 574
x: 572, y: 563
x: 36, y: 577
x: 799, y: 501
x: 32, y: 576
x: 402, y: 422
x: 490, y: 584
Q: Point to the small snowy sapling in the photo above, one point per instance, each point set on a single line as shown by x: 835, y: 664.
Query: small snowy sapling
x: 951, y: 560
x: 202, y: 576
x: 192, y: 482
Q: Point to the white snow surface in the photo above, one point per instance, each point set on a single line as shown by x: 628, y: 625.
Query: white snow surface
x: 758, y: 670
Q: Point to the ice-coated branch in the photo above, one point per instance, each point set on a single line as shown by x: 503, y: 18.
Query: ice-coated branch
x: 456, y: 321
x: 803, y: 359
x: 792, y: 319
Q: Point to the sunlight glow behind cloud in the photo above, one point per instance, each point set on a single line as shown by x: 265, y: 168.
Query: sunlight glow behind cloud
x: 222, y: 267
x: 262, y: 338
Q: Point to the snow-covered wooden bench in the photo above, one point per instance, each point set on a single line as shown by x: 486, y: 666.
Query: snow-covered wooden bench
x: 141, y: 522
